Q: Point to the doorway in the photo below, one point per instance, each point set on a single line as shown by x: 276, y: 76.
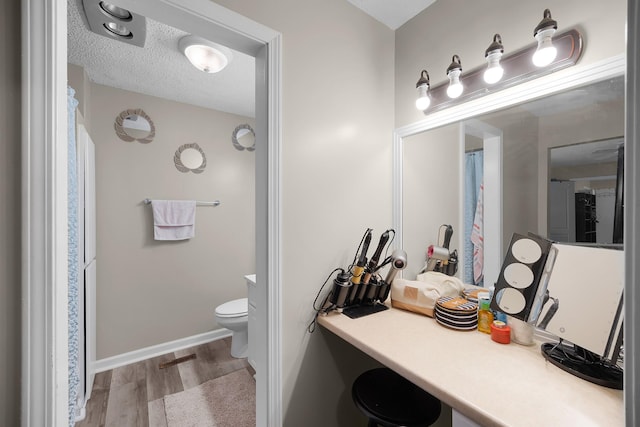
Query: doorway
x: 45, y: 389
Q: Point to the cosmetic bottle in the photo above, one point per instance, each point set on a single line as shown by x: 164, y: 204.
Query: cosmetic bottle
x: 485, y: 316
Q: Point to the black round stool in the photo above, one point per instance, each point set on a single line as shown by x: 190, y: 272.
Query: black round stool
x: 389, y: 400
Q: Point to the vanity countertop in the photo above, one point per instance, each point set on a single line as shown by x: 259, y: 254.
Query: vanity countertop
x: 492, y: 384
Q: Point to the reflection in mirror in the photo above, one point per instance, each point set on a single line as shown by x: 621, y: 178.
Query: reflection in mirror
x: 135, y: 125
x: 244, y: 138
x: 430, y: 192
x: 582, y: 191
x: 434, y: 169
x: 190, y: 158
x: 533, y: 130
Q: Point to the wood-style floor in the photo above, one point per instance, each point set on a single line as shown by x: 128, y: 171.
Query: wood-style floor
x: 120, y: 397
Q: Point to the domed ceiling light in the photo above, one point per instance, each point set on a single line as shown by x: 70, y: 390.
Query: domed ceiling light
x: 205, y: 55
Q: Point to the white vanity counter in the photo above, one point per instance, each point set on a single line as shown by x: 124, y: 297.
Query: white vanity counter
x: 492, y: 384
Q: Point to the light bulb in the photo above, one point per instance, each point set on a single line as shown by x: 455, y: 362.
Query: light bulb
x: 455, y: 86
x: 546, y: 51
x: 494, y: 71
x: 454, y: 70
x: 423, y: 101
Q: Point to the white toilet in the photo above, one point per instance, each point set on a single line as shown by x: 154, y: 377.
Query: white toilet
x: 234, y: 315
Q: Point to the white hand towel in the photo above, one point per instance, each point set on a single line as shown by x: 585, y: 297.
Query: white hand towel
x: 173, y: 219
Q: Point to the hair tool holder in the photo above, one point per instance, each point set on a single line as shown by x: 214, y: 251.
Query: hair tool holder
x: 523, y: 277
x: 361, y: 290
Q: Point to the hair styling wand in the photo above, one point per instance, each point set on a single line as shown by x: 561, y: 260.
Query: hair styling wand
x: 371, y: 268
x: 358, y: 269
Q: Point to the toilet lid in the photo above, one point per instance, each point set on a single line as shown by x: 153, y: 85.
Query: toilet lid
x: 237, y: 307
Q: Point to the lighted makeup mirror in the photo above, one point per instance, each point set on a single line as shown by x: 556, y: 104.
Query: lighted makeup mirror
x: 135, y: 125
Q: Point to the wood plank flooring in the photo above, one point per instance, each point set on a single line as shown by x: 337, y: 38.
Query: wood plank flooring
x: 128, y: 396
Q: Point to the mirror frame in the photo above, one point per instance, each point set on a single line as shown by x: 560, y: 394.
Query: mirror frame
x: 527, y: 91
x: 122, y: 133
x: 236, y: 143
x: 177, y: 159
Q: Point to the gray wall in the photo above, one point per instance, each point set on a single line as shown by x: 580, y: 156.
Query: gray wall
x: 151, y: 292
x: 10, y: 276
x: 336, y: 181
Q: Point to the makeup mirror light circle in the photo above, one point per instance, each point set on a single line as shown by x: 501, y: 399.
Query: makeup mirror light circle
x: 135, y: 125
x: 190, y: 158
x: 244, y: 138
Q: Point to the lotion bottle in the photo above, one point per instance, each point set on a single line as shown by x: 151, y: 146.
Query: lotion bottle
x: 485, y: 316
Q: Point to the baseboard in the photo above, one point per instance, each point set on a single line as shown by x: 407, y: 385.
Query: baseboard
x: 159, y: 349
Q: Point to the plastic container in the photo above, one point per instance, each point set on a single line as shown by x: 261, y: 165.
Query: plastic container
x: 500, y: 332
x: 485, y: 316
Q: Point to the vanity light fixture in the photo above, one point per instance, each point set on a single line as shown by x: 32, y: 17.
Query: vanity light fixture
x: 546, y: 51
x: 205, y: 55
x: 494, y: 52
x: 502, y: 70
x: 455, y: 87
x: 423, y: 101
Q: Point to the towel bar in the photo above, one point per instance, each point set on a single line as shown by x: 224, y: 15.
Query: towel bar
x: 198, y: 202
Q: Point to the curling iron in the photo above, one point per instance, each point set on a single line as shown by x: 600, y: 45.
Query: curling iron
x: 358, y: 269
x: 371, y: 267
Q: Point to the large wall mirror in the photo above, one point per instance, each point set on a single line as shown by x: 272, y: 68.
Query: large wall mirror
x: 520, y: 143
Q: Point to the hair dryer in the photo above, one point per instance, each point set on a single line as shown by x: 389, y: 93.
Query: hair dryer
x: 398, y: 262
x: 435, y: 254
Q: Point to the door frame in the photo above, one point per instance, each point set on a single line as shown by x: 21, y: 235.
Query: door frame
x: 632, y: 218
x: 44, y: 393
x: 492, y: 143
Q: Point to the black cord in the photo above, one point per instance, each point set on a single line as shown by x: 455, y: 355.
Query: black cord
x: 393, y: 236
x: 322, y: 308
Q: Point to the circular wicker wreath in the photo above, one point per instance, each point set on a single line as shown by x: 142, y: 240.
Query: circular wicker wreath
x: 236, y: 143
x: 178, y: 162
x: 123, y: 135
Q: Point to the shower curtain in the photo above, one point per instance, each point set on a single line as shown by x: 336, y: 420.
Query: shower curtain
x: 72, y: 194
x: 473, y: 179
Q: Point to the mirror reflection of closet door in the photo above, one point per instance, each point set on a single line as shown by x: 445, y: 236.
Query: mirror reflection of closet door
x: 562, y: 217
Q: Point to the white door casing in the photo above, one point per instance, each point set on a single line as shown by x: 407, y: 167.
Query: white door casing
x: 44, y: 394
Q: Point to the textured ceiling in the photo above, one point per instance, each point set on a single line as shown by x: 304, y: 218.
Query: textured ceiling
x: 160, y: 69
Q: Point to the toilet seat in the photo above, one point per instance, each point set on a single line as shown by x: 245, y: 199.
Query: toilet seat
x: 235, y: 308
